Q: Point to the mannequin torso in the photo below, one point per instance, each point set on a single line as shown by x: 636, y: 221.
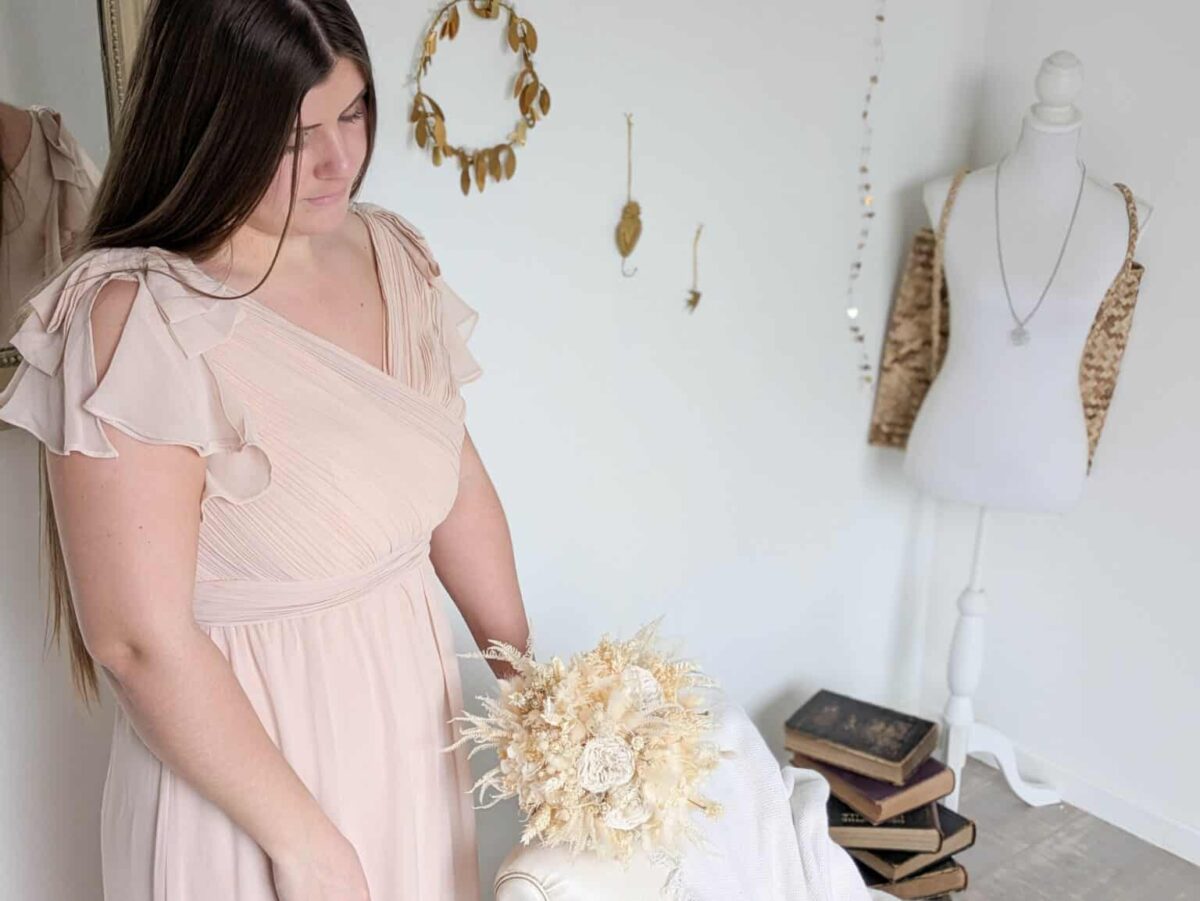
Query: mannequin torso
x: 1002, y: 425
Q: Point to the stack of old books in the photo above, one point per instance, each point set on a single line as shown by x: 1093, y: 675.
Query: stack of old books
x: 884, y: 792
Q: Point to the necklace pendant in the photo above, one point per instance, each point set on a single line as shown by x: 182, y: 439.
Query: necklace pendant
x: 1019, y: 336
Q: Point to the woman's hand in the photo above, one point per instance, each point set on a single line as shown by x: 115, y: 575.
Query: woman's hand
x: 328, y: 870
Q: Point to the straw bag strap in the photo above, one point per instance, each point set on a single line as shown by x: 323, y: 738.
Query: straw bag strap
x: 1131, y: 211
x: 936, y: 298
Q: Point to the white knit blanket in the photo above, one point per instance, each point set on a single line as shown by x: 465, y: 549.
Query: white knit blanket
x: 772, y: 843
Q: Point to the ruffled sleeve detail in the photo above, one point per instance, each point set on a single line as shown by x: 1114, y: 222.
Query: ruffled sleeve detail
x: 456, y: 319
x: 158, y: 387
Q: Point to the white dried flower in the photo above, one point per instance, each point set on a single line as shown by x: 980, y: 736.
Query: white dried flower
x: 605, y: 763
x: 641, y: 686
x: 550, y: 713
x: 628, y: 809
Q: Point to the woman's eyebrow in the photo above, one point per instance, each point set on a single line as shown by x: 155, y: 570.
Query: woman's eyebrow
x: 360, y: 96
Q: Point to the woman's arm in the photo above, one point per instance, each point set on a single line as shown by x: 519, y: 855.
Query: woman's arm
x: 129, y: 529
x: 472, y: 552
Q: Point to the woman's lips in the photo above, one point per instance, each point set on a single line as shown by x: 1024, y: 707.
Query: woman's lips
x: 325, y: 199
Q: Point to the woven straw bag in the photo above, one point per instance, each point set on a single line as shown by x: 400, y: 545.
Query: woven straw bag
x: 919, y: 332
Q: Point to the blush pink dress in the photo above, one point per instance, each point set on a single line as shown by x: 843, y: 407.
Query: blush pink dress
x: 325, y: 479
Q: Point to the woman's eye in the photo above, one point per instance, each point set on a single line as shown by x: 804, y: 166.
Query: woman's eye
x: 353, y: 117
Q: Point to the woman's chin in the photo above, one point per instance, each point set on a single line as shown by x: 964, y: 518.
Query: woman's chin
x: 314, y: 218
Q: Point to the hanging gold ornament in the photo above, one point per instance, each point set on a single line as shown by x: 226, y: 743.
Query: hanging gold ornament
x: 499, y: 162
x: 694, y: 295
x: 629, y: 229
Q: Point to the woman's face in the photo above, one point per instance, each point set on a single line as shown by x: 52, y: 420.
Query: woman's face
x: 332, y: 147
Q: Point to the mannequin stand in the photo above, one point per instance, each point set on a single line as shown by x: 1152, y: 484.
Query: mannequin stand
x: 963, y: 735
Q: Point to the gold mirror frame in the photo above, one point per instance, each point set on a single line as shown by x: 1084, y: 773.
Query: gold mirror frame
x: 120, y: 25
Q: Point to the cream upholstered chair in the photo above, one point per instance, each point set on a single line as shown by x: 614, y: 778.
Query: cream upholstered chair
x: 772, y: 843
x: 538, y: 873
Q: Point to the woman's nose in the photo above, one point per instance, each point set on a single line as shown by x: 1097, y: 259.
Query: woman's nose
x: 336, y: 159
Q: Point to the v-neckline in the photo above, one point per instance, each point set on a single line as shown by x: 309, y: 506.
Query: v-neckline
x: 389, y: 369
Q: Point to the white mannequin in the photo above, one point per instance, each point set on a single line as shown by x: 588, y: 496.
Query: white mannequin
x: 1003, y: 425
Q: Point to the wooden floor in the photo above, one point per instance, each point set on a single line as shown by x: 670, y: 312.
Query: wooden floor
x: 1059, y: 853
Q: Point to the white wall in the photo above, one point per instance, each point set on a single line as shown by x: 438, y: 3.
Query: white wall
x: 1091, y: 666
x: 50, y: 54
x: 711, y: 467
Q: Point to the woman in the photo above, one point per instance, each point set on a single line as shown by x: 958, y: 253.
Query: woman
x: 260, y: 378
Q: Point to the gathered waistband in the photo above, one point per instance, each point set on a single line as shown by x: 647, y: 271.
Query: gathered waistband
x: 232, y: 601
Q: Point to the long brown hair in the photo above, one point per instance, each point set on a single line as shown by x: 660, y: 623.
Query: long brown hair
x: 214, y: 92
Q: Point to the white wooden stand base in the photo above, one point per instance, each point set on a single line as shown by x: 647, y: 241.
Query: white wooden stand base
x: 963, y: 735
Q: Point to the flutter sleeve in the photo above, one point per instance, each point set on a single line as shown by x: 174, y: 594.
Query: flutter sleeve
x: 458, y: 322
x: 158, y: 387
x: 455, y: 318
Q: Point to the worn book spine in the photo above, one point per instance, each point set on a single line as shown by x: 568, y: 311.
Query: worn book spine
x: 947, y: 876
x: 877, y: 800
x: 914, y: 831
x: 862, y: 737
x: 957, y: 835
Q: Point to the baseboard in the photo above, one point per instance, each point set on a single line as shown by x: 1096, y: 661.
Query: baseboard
x: 1177, y: 838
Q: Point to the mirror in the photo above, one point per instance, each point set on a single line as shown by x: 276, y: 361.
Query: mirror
x: 120, y: 24
x: 63, y: 67
x: 59, y: 101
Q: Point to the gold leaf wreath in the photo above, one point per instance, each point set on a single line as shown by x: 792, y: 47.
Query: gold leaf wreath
x: 499, y: 161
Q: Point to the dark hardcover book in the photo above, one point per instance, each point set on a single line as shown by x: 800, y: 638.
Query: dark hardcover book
x: 916, y: 830
x: 957, y: 834
x: 861, y: 737
x: 879, y: 801
x: 947, y: 876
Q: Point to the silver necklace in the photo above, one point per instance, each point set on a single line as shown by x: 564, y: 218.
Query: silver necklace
x: 1019, y: 335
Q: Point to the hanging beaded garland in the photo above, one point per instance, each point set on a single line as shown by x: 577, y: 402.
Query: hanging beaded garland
x: 533, y: 99
x: 866, y: 199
